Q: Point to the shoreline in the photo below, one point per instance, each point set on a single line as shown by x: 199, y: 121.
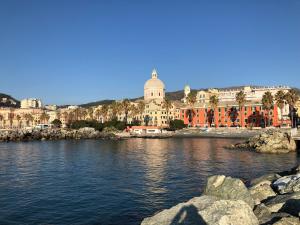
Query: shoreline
x: 20, y: 135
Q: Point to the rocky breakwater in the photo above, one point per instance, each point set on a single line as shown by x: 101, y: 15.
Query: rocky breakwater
x: 270, y: 199
x: 271, y: 141
x: 53, y: 134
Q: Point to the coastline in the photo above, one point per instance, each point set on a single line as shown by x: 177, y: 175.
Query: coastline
x: 90, y: 133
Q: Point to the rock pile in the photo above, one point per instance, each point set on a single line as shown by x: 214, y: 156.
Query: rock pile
x: 271, y: 141
x: 271, y: 199
x: 53, y: 134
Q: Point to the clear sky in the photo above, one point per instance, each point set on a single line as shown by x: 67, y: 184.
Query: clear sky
x: 69, y: 52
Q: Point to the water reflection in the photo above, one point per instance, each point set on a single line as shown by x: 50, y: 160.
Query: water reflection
x: 109, y: 182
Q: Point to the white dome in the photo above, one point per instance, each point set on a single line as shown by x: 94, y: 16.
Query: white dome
x: 154, y: 88
x: 154, y: 83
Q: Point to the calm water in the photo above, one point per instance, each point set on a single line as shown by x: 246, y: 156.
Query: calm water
x: 115, y: 182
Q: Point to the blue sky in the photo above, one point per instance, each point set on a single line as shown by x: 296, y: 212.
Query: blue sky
x: 70, y: 52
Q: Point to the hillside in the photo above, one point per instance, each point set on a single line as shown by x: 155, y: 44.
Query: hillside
x: 8, y: 101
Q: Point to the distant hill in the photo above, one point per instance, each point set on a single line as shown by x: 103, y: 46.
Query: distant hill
x: 8, y: 101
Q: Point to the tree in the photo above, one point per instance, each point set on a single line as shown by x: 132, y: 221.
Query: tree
x: 141, y: 108
x: 268, y: 104
x: 177, y: 124
x: 292, y: 98
x: 147, y: 120
x: 1, y: 119
x: 125, y: 107
x: 18, y: 117
x: 104, y: 112
x: 167, y: 104
x: 66, y: 116
x: 83, y: 114
x: 44, y: 117
x: 134, y: 111
x: 56, y: 123
x: 191, y: 100
x: 29, y: 118
x: 241, y: 100
x: 11, y: 118
x: 98, y: 114
x: 280, y: 102
x: 115, y: 109
x: 214, y: 102
x: 90, y: 112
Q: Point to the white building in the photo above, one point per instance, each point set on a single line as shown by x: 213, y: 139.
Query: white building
x: 31, y: 103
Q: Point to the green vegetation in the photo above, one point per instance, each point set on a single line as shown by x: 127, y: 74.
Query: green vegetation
x: 119, y: 125
x: 176, y: 125
x: 56, y: 123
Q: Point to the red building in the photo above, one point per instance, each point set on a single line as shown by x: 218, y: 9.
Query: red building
x: 251, y: 115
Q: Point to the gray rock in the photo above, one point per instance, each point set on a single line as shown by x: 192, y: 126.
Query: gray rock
x: 268, y: 177
x: 228, y: 188
x: 271, y: 141
x: 186, y: 213
x: 288, y: 184
x: 262, y: 213
x: 276, y: 203
x: 205, y: 210
x: 261, y: 191
x: 288, y: 221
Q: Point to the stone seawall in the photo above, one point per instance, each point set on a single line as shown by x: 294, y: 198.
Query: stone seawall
x: 270, y: 199
x: 52, y: 134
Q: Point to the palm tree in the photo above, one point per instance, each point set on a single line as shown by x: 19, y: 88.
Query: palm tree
x: 291, y: 98
x: 280, y: 102
x: 1, y: 119
x: 44, y: 117
x: 98, y: 114
x: 125, y: 107
x: 29, y: 118
x: 268, y: 104
x: 83, y: 114
x: 134, y: 111
x: 90, y: 112
x: 191, y: 100
x: 241, y: 100
x: 115, y: 108
x: 18, y: 117
x: 167, y: 104
x: 214, y: 102
x: 65, y: 116
x: 141, y: 108
x: 77, y: 113
x: 104, y: 112
x: 11, y: 118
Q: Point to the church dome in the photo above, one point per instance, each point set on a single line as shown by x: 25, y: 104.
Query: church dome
x: 154, y: 88
x: 154, y: 82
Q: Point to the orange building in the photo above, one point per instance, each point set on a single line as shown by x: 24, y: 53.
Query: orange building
x: 251, y: 115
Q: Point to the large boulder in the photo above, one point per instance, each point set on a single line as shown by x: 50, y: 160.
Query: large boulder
x: 267, y: 177
x: 228, y: 188
x: 271, y: 141
x: 288, y: 221
x: 205, y: 210
x: 276, y: 203
x: 261, y: 191
x: 288, y: 184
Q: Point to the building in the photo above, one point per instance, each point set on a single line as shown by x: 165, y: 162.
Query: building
x: 154, y: 88
x: 31, y: 103
x: 156, y: 114
x: 12, y: 118
x: 228, y: 113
